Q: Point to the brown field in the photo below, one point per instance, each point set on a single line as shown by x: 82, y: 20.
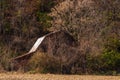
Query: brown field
x: 20, y: 76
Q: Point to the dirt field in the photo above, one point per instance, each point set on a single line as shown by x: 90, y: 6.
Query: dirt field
x: 14, y: 76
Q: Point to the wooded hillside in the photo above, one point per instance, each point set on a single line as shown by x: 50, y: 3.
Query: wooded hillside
x: 95, y: 25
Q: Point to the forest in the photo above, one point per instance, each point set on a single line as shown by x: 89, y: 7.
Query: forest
x: 94, y: 24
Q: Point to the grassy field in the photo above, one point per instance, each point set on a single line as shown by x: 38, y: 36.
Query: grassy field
x: 20, y: 76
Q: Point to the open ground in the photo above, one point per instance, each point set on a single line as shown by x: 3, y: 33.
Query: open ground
x: 25, y: 76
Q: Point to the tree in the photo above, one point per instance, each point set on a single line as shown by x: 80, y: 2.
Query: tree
x: 89, y: 21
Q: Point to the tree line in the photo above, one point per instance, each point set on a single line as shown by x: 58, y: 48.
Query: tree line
x: 94, y: 24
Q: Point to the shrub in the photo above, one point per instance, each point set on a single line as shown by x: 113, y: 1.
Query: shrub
x: 108, y: 62
x: 5, y: 55
x: 44, y: 20
x: 111, y: 55
x: 42, y: 63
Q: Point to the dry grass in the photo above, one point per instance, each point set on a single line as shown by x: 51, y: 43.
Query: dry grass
x: 19, y: 76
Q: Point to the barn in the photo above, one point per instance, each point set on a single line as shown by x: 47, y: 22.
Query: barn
x: 58, y: 43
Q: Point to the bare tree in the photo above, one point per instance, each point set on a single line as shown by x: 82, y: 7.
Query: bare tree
x: 88, y: 21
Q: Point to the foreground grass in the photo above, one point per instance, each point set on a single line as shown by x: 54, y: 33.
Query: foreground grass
x: 20, y: 76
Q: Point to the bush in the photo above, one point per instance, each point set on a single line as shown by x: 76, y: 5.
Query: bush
x: 111, y: 55
x: 42, y: 63
x: 5, y: 55
x: 108, y: 62
x: 44, y: 20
